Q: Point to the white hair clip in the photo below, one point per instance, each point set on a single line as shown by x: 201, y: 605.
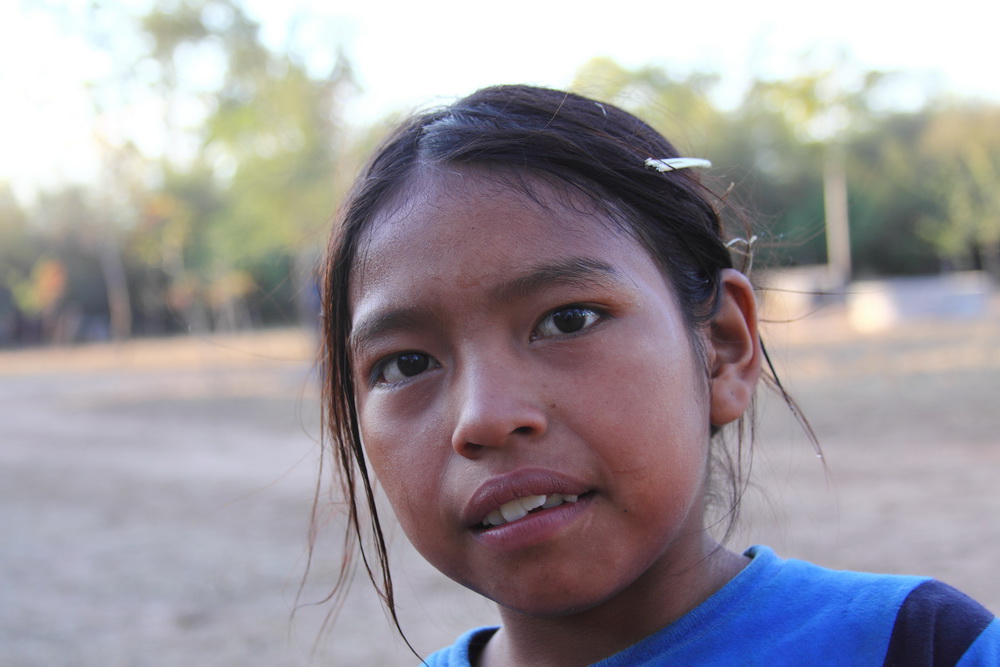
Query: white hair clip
x: 748, y: 253
x: 739, y: 239
x: 674, y: 163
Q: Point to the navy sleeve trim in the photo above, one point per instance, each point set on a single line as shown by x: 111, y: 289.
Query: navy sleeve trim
x: 935, y: 625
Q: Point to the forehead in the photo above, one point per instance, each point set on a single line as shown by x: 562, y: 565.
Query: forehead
x: 465, y: 227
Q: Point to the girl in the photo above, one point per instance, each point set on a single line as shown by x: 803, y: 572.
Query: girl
x: 535, y: 336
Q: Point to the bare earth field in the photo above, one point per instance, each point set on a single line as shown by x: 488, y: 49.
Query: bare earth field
x: 155, y: 496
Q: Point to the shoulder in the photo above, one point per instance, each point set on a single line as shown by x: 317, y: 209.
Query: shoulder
x: 458, y: 654
x: 908, y: 620
x: 824, y: 596
x: 791, y: 612
x: 938, y: 625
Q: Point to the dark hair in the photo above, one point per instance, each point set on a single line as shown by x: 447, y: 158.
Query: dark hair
x: 520, y: 134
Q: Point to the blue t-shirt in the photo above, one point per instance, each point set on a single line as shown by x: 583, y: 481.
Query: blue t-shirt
x: 790, y: 612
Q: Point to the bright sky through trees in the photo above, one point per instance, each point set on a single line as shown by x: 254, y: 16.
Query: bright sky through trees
x: 411, y: 54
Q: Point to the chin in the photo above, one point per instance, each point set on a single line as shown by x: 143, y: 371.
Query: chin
x: 551, y: 604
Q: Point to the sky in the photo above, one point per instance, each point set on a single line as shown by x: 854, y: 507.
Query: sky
x: 407, y: 55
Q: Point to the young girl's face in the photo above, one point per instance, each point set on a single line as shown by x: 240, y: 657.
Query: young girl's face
x: 512, y: 356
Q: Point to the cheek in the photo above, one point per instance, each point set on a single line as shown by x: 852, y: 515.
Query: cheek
x: 653, y: 395
x: 406, y: 462
x: 648, y: 411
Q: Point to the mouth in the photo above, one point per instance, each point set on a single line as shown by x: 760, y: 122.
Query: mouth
x: 519, y: 508
x: 523, y: 498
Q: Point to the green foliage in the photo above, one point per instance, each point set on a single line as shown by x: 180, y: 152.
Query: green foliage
x: 962, y: 148
x: 173, y: 24
x: 17, y: 244
x: 923, y: 187
x: 264, y: 187
x: 227, y: 236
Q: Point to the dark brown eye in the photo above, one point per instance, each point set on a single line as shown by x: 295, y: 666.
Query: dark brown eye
x: 571, y: 319
x: 567, y: 320
x: 405, y: 365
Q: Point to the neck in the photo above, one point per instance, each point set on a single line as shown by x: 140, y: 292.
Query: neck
x: 655, y: 600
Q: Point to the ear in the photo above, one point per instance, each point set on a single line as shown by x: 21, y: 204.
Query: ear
x: 734, y: 349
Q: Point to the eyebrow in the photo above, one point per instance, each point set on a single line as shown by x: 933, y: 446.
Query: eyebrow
x: 573, y: 271
x: 569, y: 272
x: 384, y: 323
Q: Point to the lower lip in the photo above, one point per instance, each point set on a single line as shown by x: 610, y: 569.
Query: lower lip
x: 534, y: 528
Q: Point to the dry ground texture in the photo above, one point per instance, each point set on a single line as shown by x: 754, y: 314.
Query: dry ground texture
x: 155, y: 496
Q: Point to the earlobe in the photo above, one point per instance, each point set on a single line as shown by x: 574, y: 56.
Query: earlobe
x: 735, y: 351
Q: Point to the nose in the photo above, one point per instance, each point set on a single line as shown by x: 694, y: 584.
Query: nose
x: 497, y: 406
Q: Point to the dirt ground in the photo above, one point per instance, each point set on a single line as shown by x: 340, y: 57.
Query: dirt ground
x: 155, y: 496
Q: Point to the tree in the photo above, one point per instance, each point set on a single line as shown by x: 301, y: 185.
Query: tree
x: 962, y: 144
x: 270, y: 145
x: 753, y: 146
x: 18, y: 247
x: 823, y: 107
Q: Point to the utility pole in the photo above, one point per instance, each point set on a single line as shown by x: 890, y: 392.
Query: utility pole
x: 838, y: 234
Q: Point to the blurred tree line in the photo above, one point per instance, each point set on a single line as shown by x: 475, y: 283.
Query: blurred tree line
x: 223, y: 228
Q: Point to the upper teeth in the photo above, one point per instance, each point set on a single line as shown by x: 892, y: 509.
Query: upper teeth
x: 519, y: 507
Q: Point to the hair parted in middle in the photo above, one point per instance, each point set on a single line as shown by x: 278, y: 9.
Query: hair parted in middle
x: 522, y: 136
